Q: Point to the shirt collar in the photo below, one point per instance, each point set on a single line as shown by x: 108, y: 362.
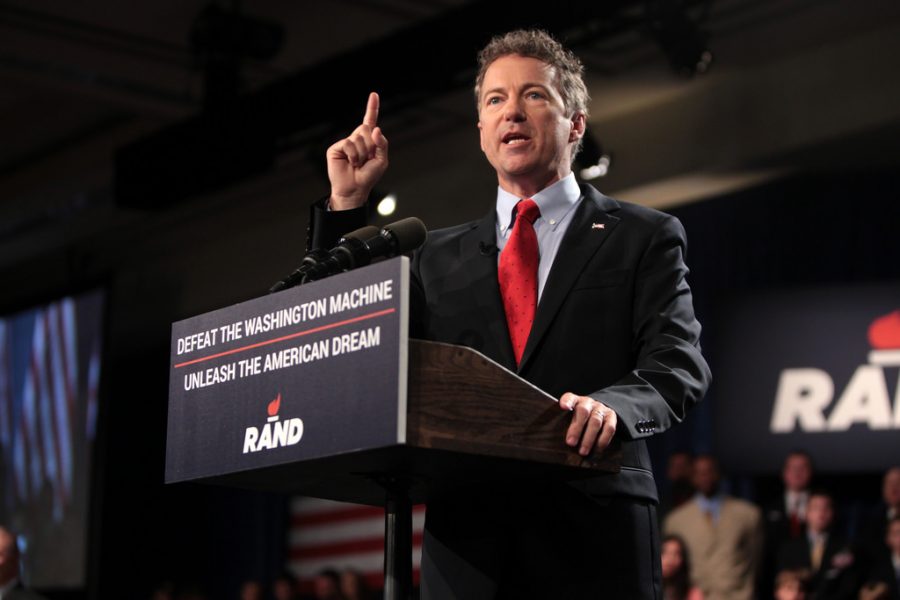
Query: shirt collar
x: 817, y: 537
x: 555, y: 201
x: 796, y: 500
x: 709, y: 504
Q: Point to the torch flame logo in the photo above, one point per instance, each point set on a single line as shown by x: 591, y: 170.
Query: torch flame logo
x: 274, y: 405
x: 884, y: 332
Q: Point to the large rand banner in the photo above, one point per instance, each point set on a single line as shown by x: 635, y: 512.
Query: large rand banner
x: 308, y: 372
x: 815, y: 370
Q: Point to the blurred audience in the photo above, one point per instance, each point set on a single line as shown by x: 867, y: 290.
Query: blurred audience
x: 284, y: 587
x: 251, y: 590
x: 327, y: 586
x: 792, y: 584
x: 824, y: 552
x: 354, y: 587
x: 724, y: 536
x: 676, y: 571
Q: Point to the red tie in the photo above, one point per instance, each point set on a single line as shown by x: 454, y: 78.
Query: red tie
x: 517, y: 274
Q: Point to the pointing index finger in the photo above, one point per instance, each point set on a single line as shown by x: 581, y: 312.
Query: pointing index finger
x: 371, y: 118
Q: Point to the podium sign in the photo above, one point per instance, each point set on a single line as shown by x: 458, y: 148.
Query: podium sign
x: 241, y: 378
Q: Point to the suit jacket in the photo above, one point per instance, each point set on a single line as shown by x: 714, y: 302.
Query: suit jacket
x: 837, y: 577
x: 881, y: 569
x: 724, y: 556
x: 778, y: 531
x: 615, y: 320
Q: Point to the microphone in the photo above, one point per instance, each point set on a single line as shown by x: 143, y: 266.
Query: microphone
x: 397, y: 238
x: 317, y: 256
x: 357, y: 249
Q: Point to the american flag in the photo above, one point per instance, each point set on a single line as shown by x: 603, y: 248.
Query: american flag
x: 37, y: 406
x: 340, y: 536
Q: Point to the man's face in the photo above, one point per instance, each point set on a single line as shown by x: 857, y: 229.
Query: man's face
x: 679, y: 468
x: 797, y: 472
x: 525, y: 131
x: 819, y: 514
x: 706, y: 476
x: 671, y: 558
x: 893, y: 537
x: 790, y: 590
x: 891, y: 487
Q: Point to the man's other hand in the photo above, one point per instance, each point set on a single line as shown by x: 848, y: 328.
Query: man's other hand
x: 593, y: 423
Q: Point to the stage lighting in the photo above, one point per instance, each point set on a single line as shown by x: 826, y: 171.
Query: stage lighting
x: 387, y: 205
x: 600, y: 169
x: 592, y: 161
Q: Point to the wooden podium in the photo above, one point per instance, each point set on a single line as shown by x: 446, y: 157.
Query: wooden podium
x: 452, y: 416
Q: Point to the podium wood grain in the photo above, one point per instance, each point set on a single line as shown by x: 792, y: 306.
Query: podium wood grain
x: 461, y: 401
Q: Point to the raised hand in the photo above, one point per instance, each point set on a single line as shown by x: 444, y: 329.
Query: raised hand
x: 357, y: 162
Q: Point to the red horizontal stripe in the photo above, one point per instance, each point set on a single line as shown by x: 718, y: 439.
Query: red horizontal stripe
x: 357, y: 546
x: 379, y: 313
x: 341, y: 515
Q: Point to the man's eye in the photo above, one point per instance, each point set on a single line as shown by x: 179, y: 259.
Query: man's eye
x: 493, y: 100
x: 535, y: 95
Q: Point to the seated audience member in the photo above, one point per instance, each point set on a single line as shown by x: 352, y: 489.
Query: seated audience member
x: 723, y: 535
x: 884, y: 567
x: 792, y: 584
x: 827, y: 555
x: 676, y: 571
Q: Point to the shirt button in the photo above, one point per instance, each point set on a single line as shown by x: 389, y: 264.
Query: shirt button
x: 553, y: 221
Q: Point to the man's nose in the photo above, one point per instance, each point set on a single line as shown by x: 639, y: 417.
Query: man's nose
x: 514, y: 109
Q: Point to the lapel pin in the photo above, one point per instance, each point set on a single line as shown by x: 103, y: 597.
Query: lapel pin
x: 598, y: 226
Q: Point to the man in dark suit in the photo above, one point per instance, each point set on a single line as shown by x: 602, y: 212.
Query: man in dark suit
x: 785, y: 515
x: 884, y: 567
x: 583, y: 296
x: 871, y: 535
x: 11, y: 587
x: 822, y: 551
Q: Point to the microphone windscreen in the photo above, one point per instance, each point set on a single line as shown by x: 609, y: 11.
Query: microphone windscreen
x: 408, y: 233
x: 363, y: 233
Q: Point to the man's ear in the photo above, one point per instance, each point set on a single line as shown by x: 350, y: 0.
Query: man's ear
x: 480, y: 135
x: 579, y: 123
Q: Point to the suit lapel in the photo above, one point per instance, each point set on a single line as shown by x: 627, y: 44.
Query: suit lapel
x: 478, y: 254
x: 591, y: 225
